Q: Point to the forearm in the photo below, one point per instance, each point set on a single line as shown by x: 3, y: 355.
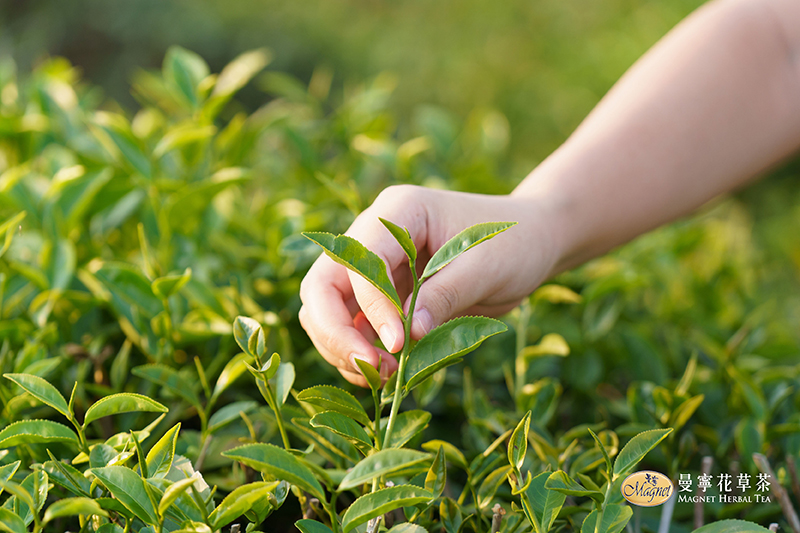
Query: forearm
x: 711, y: 106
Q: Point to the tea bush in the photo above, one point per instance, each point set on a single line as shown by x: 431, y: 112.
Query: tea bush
x: 150, y: 263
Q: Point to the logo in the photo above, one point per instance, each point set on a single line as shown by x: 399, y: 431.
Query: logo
x: 647, y: 488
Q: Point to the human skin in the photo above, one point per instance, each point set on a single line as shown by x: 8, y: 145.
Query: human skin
x: 710, y: 107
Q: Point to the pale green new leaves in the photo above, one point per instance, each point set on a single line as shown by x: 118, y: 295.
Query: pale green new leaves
x: 637, y: 448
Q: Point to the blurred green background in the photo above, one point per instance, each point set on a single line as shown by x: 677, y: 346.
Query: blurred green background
x: 543, y: 64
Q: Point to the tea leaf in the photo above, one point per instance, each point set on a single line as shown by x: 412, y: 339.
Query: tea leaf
x: 491, y: 484
x: 407, y: 527
x: 229, y: 413
x: 284, y: 380
x: 34, y: 431
x: 125, y: 402
x: 8, y: 471
x: 681, y: 415
x: 159, y: 458
x: 463, y: 241
x: 556, y: 294
x: 166, y: 286
x: 551, y: 344
x: 169, y: 379
x: 352, y: 254
x: 615, y: 517
x: 731, y: 526
x: 445, y: 344
x: 330, y: 398
x: 546, y: 503
x: 243, y: 329
x: 344, y: 426
x: 637, y: 448
x: 67, y: 476
x: 452, y: 453
x: 370, y: 374
x: 42, y: 391
x: 437, y: 474
x: 382, y: 501
x: 11, y: 522
x: 609, y: 467
x: 238, y: 72
x: 238, y: 502
x: 174, y: 491
x: 128, y: 488
x: 307, y: 525
x: 71, y: 507
x: 450, y: 515
x: 184, y: 70
x: 407, y: 425
x: 232, y: 371
x: 518, y: 443
x: 561, y: 482
x: 403, y: 238
x: 381, y: 463
x: 277, y: 463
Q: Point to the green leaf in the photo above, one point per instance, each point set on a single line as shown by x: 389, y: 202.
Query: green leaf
x: 11, y: 522
x: 556, y: 294
x: 8, y: 471
x: 407, y: 527
x: 229, y: 413
x: 169, y: 379
x: 182, y: 135
x: 546, y: 503
x: 307, y: 525
x: 35, y: 431
x: 184, y: 70
x: 609, y: 468
x: 238, y: 502
x: 243, y: 329
x: 110, y: 528
x: 382, y: 501
x: 114, y: 133
x: 444, y: 345
x: 406, y: 426
x: 26, y: 496
x: 637, y: 448
x: 8, y: 228
x: 382, y: 463
x: 232, y: 371
x: 450, y: 515
x: 333, y: 399
x: 561, y: 482
x: 551, y: 344
x: 352, y: 254
x: 437, y: 474
x: 238, y: 72
x: 159, y: 458
x: 42, y: 391
x: 615, y: 517
x: 166, y: 286
x: 463, y: 241
x: 128, y: 488
x: 452, y: 453
x: 185, y: 207
x: 403, y: 238
x: 125, y: 402
x: 174, y: 491
x: 279, y: 464
x: 491, y: 484
x: 681, y: 415
x: 284, y: 380
x: 731, y: 526
x: 371, y: 374
x: 67, y: 476
x: 344, y: 426
x: 72, y: 507
x: 518, y: 443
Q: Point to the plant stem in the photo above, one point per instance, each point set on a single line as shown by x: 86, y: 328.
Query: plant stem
x: 329, y: 507
x: 519, y: 364
x: 377, y: 428
x: 603, y: 507
x: 279, y: 420
x: 400, y: 383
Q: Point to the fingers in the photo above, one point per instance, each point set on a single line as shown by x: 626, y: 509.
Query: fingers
x: 403, y: 206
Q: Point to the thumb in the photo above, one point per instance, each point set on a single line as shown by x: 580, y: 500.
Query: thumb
x: 447, y: 294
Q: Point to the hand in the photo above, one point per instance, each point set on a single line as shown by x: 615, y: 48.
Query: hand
x: 344, y: 315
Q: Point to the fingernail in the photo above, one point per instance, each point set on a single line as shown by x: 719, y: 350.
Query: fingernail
x: 423, y: 320
x: 388, y: 338
x: 354, y: 356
